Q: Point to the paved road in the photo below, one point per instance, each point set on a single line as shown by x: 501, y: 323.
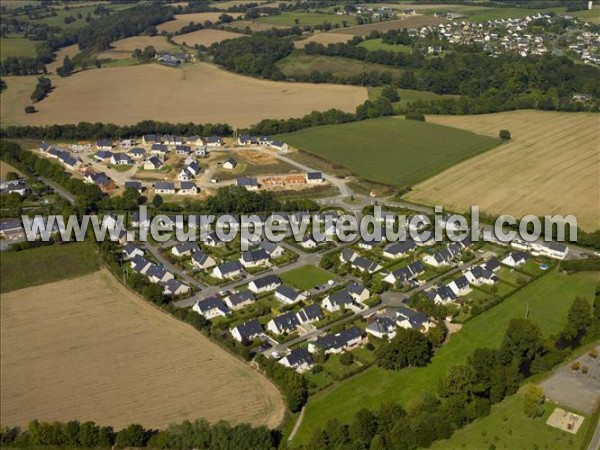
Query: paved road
x: 170, y: 267
x: 59, y: 190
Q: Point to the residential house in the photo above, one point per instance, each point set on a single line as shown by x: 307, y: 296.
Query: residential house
x: 249, y: 183
x: 103, y: 155
x: 130, y: 251
x: 407, y: 318
x: 188, y: 188
x: 284, y: 323
x: 254, y: 258
x: 104, y: 144
x: 309, y: 314
x: 401, y: 276
x: 153, y: 163
x: 264, y: 284
x: 365, y: 265
x: 382, y: 327
x: 298, y: 359
x: 69, y: 161
x: 164, y: 187
x: 151, y: 139
x: 314, y: 177
x: 211, y: 239
x: 183, y: 150
x: 273, y: 249
x: 247, y: 331
x: 516, y: 259
x: 346, y: 298
x: 230, y: 164
x: 348, y: 255
x: 279, y: 145
x: 229, y: 269
x: 240, y: 300
x: 137, y: 185
x: 244, y: 139
x: 121, y: 159
x: 460, y: 286
x: 479, y: 275
x: 399, y: 249
x: 175, y: 288
x: 213, y: 141
x: 126, y: 143
x: 444, y: 257
x: 185, y: 248
x: 441, y: 295
x: 493, y: 265
x: 159, y: 150
x: 338, y: 343
x: 368, y: 245
x: 309, y: 243
x: 288, y: 295
x: 201, y: 260
x: 555, y: 250
x: 158, y: 274
x: 139, y: 264
x: 211, y: 307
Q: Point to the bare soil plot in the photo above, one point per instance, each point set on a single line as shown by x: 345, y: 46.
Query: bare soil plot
x: 324, y: 39
x: 408, y: 22
x: 185, y: 19
x: 565, y: 420
x: 127, y: 95
x: 205, y: 37
x: 89, y: 349
x: 122, y: 49
x: 551, y: 166
x: 69, y: 51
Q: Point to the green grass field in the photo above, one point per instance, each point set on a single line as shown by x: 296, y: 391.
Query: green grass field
x: 43, y: 265
x: 376, y: 44
x: 548, y: 300
x: 393, y: 151
x: 16, y: 46
x: 298, y: 64
x: 307, y: 277
x: 311, y: 19
x: 74, y: 11
x: 507, y: 427
x: 410, y: 95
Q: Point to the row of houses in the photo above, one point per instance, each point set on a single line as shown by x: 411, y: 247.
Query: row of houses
x: 245, y: 140
x: 383, y: 326
x: 167, y: 139
x: 169, y: 188
x: 61, y: 155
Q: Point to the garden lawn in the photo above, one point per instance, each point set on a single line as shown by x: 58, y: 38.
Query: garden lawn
x: 547, y: 299
x: 307, y: 277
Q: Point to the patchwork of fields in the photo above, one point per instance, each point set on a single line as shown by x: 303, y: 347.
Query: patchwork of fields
x: 389, y: 150
x: 89, y: 349
x: 128, y: 95
x: 551, y: 166
x: 547, y: 300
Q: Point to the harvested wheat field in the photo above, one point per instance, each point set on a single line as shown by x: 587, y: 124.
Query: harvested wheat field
x: 205, y: 37
x: 199, y: 93
x: 89, y: 349
x: 69, y: 51
x: 184, y: 19
x: 122, y: 49
x: 229, y: 4
x: 551, y: 166
x: 382, y: 27
x: 324, y: 39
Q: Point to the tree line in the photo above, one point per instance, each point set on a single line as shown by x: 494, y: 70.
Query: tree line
x: 467, y: 391
x: 198, y: 434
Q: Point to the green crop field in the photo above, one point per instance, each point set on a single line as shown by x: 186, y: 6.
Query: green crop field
x: 507, y: 427
x: 43, y: 265
x: 307, y: 277
x: 547, y: 299
x: 310, y: 19
x: 376, y: 44
x: 298, y: 64
x: 393, y: 151
x: 16, y: 46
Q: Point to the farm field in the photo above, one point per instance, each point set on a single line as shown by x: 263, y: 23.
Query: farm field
x: 307, y: 277
x: 228, y: 4
x: 69, y: 51
x: 125, y: 95
x: 376, y: 44
x: 324, y: 39
x: 16, y: 46
x: 123, y: 48
x: 90, y: 349
x: 299, y: 64
x: 410, y: 95
x: 52, y: 263
x: 73, y: 11
x: 185, y: 19
x: 389, y: 150
x: 205, y: 37
x: 592, y: 15
x: 310, y: 19
x: 551, y: 166
x: 254, y: 25
x: 409, y: 22
x: 548, y: 300
x: 507, y: 427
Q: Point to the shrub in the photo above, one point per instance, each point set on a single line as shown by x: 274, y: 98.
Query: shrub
x: 30, y: 109
x: 593, y: 353
x: 505, y: 135
x: 585, y: 369
x: 415, y: 116
x: 575, y: 365
x: 347, y: 359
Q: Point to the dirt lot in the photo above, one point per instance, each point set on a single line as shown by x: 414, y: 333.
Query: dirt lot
x: 127, y: 95
x: 205, y: 37
x: 123, y: 48
x: 408, y: 22
x: 324, y: 38
x: 184, y: 19
x: 88, y: 349
x: 551, y: 166
x: 575, y: 389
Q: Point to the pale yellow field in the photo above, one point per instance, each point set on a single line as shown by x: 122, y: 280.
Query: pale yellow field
x: 5, y: 168
x: 123, y: 48
x: 89, y: 349
x: 229, y: 4
x: 69, y: 51
x: 185, y: 19
x: 199, y: 93
x: 205, y: 37
x: 551, y: 166
x: 324, y: 38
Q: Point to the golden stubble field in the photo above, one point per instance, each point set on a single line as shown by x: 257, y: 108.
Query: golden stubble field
x: 406, y: 22
x: 199, y: 93
x: 181, y: 20
x: 123, y: 48
x: 324, y: 39
x: 205, y: 37
x: 551, y: 166
x: 89, y: 349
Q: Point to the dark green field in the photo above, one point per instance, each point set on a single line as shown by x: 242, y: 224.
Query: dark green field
x: 391, y: 150
x: 43, y: 265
